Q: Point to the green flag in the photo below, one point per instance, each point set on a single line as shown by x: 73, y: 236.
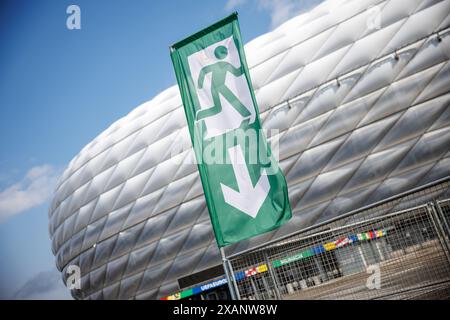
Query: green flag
x: 245, y: 190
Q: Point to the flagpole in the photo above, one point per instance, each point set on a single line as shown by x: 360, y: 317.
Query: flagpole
x: 236, y: 289
x: 230, y: 281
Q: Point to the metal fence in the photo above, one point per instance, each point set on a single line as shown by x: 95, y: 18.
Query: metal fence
x: 395, y: 249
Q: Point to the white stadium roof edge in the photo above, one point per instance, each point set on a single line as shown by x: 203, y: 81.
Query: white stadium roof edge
x: 362, y: 109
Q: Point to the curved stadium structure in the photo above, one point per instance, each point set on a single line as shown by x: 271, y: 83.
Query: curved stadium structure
x: 360, y: 93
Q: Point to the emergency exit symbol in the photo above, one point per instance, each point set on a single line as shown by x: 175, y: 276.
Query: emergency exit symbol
x: 249, y: 199
x: 222, y: 90
x: 225, y: 98
x: 219, y: 71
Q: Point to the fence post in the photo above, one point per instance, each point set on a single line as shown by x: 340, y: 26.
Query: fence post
x: 233, y: 280
x: 442, y: 216
x: 273, y: 276
x: 230, y: 277
x: 438, y: 227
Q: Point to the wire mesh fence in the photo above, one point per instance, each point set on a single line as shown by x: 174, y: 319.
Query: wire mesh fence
x: 395, y: 249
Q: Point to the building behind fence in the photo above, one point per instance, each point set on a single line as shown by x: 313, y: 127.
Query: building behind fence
x: 395, y: 249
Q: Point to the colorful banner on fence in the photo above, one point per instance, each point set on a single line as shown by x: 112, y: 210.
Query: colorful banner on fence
x: 330, y: 246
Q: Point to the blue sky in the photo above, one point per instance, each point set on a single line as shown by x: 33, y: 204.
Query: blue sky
x: 60, y: 88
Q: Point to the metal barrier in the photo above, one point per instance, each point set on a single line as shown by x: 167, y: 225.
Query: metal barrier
x: 394, y: 249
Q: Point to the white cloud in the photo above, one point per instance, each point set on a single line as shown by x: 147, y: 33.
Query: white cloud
x: 32, y: 190
x: 232, y: 4
x: 279, y: 10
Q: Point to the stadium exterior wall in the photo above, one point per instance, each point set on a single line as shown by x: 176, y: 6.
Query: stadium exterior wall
x: 360, y: 93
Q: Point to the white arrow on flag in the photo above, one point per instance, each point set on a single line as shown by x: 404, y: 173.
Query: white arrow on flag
x: 249, y: 198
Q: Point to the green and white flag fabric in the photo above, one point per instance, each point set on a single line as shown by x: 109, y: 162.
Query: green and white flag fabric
x: 246, y: 192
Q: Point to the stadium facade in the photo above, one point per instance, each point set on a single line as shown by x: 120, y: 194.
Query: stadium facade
x: 359, y: 91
